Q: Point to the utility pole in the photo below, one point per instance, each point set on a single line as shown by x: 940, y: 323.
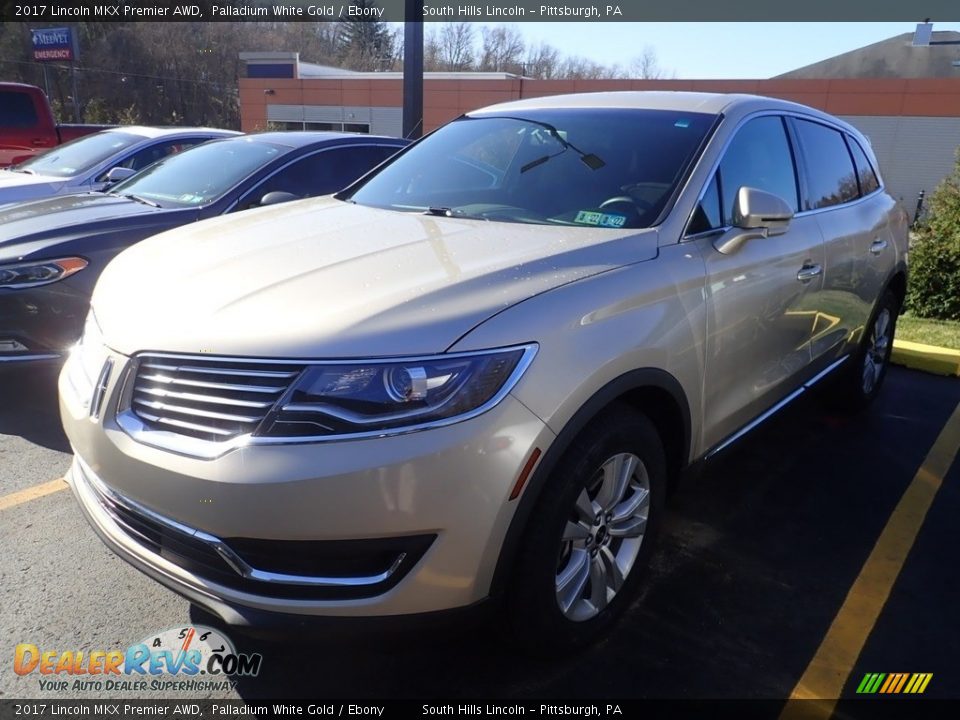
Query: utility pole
x: 413, y: 69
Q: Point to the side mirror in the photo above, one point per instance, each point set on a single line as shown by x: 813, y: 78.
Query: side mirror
x: 756, y: 214
x: 276, y: 197
x: 117, y: 174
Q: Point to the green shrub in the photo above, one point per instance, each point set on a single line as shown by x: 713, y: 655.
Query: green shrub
x: 934, y: 288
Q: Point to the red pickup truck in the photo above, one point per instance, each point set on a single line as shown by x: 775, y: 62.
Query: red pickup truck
x: 27, y: 126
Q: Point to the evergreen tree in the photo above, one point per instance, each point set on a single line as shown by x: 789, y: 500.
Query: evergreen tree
x: 365, y: 44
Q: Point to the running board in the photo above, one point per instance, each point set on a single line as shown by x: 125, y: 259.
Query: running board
x: 760, y: 419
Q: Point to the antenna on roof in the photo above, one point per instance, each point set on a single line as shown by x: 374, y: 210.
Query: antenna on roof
x: 921, y: 38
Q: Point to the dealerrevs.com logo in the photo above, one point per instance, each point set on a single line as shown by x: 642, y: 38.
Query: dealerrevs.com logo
x: 170, y: 660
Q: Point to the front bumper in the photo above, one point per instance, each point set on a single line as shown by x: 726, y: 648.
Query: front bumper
x: 435, y: 501
x: 43, y: 321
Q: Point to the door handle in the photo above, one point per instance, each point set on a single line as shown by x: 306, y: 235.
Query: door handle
x: 878, y: 246
x: 809, y: 272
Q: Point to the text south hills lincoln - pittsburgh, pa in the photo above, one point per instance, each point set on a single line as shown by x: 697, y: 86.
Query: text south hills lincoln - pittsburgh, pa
x: 586, y: 11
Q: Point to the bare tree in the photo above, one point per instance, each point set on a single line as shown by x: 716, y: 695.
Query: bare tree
x: 455, y: 45
x: 580, y: 68
x: 645, y: 65
x: 543, y: 61
x: 502, y: 49
x: 431, y: 48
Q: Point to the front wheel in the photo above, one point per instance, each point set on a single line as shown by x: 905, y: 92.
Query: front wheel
x: 591, y: 534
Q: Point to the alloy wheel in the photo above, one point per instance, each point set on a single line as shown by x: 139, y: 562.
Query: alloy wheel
x: 602, y: 537
x: 877, y: 352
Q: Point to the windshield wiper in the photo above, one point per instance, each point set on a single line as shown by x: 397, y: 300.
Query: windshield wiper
x: 136, y: 198
x: 594, y: 162
x: 25, y: 171
x: 452, y: 212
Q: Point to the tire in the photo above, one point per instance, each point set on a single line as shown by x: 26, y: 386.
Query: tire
x: 860, y: 384
x: 555, y: 600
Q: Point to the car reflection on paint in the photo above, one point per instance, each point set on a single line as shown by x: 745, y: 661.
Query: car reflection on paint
x: 52, y: 251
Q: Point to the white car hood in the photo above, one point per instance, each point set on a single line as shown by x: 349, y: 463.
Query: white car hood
x: 322, y: 278
x: 16, y: 187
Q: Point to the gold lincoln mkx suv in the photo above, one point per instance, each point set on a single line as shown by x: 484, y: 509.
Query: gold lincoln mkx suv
x: 473, y: 374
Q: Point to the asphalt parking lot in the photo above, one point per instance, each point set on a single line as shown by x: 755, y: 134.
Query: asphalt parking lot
x: 755, y: 565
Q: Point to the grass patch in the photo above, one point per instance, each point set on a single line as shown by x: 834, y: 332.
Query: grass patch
x: 942, y: 333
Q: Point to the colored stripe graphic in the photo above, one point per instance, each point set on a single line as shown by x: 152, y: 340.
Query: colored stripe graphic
x: 894, y: 683
x: 890, y: 678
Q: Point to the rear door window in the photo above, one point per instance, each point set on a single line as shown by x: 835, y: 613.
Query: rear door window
x: 831, y: 177
x: 759, y: 157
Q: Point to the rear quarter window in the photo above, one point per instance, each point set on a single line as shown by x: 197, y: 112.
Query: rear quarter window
x: 865, y: 172
x: 17, y: 110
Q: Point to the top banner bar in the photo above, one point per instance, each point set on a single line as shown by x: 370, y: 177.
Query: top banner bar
x: 488, y: 11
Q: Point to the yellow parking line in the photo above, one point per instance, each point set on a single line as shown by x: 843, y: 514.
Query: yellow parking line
x: 32, y: 493
x: 830, y: 668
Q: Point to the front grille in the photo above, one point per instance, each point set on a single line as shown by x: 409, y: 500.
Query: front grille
x: 209, y: 399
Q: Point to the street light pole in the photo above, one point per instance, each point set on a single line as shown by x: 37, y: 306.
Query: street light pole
x: 413, y: 69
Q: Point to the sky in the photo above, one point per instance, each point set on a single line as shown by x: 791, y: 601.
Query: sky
x: 716, y: 50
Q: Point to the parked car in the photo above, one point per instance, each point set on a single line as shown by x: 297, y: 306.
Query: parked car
x: 96, y: 161
x: 27, y: 127
x: 472, y: 375
x: 52, y: 251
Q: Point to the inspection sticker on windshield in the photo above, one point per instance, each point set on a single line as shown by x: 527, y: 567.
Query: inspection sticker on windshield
x: 589, y: 217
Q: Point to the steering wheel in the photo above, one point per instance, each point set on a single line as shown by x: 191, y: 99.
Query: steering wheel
x: 636, y: 204
x: 627, y: 206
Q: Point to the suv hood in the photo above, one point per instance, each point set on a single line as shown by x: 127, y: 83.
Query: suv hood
x: 322, y: 278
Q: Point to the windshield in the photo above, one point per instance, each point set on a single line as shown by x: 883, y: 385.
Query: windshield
x: 613, y: 168
x: 201, y: 174
x: 80, y: 155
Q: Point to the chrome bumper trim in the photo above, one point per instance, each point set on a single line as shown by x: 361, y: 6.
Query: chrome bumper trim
x: 102, y: 494
x: 29, y: 358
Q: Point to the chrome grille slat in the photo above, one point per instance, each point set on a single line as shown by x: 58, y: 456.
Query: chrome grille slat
x: 215, y: 386
x: 213, y: 399
x: 221, y: 371
x: 185, y: 425
x: 183, y: 410
x: 210, y: 399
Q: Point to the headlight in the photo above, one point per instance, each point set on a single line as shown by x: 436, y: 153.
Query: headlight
x: 39, y: 272
x: 396, y: 395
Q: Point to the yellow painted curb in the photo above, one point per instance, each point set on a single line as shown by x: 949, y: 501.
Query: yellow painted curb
x: 929, y: 358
